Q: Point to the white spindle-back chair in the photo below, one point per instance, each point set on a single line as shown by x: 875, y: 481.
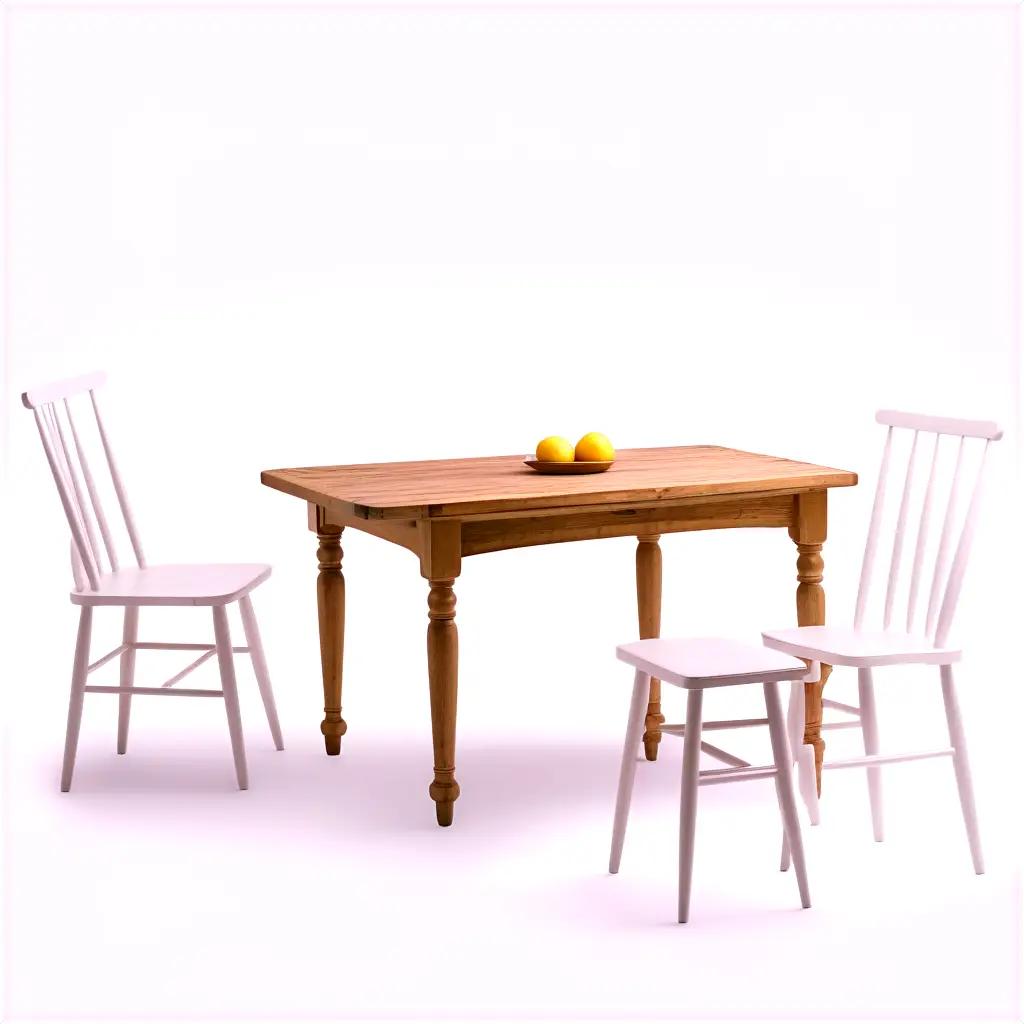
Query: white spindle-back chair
x: 937, y: 563
x: 100, y: 579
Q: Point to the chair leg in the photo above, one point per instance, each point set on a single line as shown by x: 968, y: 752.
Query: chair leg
x: 259, y: 665
x: 869, y: 727
x: 961, y: 766
x: 225, y: 658
x: 803, y: 753
x: 793, y: 842
x: 78, y: 677
x: 688, y: 799
x: 129, y: 636
x: 786, y: 858
x: 627, y: 773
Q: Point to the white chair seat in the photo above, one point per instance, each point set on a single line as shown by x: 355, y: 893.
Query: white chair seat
x: 174, y: 585
x: 696, y: 663
x: 859, y: 648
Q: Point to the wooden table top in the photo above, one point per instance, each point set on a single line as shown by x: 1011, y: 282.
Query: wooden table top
x: 503, y: 484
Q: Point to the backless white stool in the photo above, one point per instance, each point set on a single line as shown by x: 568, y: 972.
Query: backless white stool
x: 697, y: 665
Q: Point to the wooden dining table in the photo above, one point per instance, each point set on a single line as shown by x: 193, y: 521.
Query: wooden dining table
x: 446, y: 510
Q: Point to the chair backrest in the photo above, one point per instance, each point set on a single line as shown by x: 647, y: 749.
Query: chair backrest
x: 65, y: 446
x: 971, y: 440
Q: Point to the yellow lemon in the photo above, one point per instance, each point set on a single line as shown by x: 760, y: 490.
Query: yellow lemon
x: 554, y: 449
x: 594, y: 447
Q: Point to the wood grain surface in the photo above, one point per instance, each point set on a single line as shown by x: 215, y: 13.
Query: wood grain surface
x: 463, y: 487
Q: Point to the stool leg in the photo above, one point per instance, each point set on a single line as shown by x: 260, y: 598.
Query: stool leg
x: 784, y: 787
x: 869, y: 726
x: 634, y: 733
x: 688, y: 799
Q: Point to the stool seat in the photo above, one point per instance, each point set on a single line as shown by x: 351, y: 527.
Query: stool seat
x: 700, y: 662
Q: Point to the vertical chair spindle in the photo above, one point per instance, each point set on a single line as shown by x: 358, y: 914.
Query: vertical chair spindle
x: 897, y: 542
x: 963, y: 550
x: 77, y: 568
x: 115, y: 477
x: 945, y: 538
x: 90, y: 486
x: 76, y: 486
x: 922, y: 538
x: 873, y: 529
x: 77, y: 534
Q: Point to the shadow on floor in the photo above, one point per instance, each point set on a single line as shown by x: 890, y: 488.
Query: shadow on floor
x: 376, y: 785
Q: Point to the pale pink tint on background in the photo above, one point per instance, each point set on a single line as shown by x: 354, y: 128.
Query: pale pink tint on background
x: 278, y: 229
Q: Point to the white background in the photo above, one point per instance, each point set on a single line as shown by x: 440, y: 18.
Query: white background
x: 311, y: 235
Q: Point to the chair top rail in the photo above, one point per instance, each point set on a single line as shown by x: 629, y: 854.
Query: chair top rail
x: 62, y: 389
x: 987, y: 429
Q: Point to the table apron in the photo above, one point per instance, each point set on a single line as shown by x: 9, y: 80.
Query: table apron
x: 479, y: 537
x: 549, y: 526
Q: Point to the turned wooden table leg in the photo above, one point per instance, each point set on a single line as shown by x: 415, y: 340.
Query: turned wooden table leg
x: 648, y: 604
x: 440, y: 564
x: 808, y: 532
x: 330, y: 603
x: 443, y: 669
